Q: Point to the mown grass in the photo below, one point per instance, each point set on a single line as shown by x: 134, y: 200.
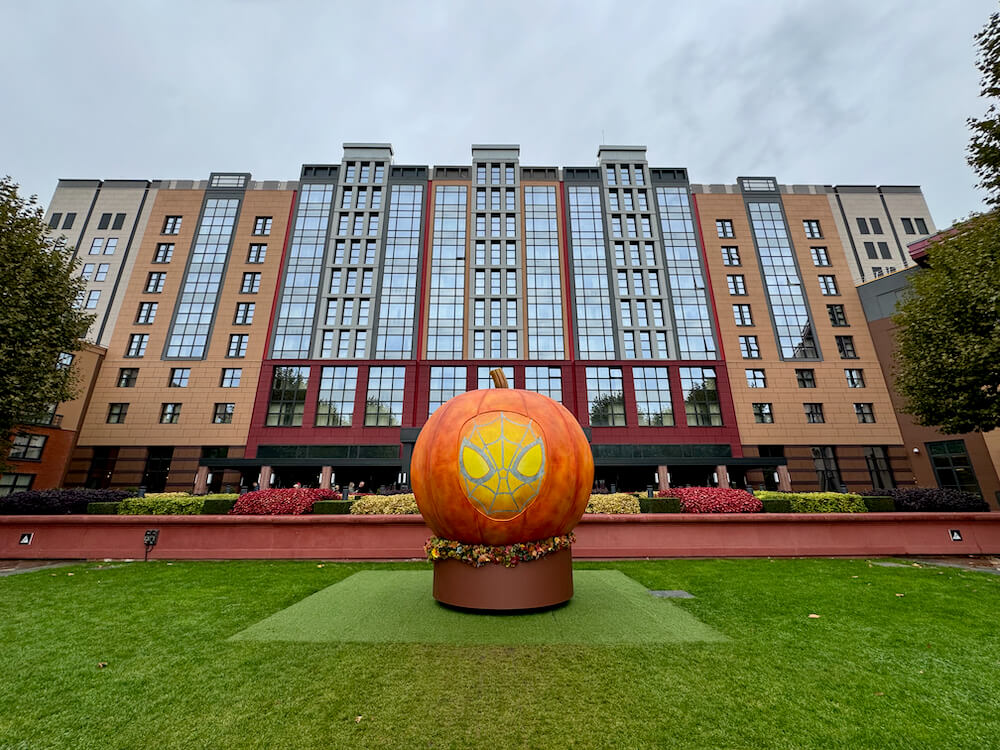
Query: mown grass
x: 875, y: 670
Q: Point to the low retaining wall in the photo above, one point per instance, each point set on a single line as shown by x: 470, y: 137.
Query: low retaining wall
x: 598, y: 536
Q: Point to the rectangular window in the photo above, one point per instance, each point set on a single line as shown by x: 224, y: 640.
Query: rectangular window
x: 237, y: 345
x: 155, y: 282
x: 877, y: 459
x: 446, y: 383
x: 921, y: 226
x: 147, y: 313
x: 179, y: 377
x: 605, y: 396
x: 92, y: 299
x: 865, y: 413
x: 231, y: 377
x: 288, y: 397
x: 845, y: 346
x: 127, y: 377
x: 883, y: 249
x: 749, y: 347
x: 335, y: 405
x: 762, y: 414
x: 544, y: 380
x: 862, y: 225
x: 827, y: 470
x: 819, y: 256
x: 96, y: 245
x: 652, y: 396
x: 828, y: 286
x: 102, y: 271
x: 223, y: 413
x: 137, y: 345
x: 384, y: 401
x: 838, y: 318
x: 724, y: 227
x: 117, y: 413
x: 164, y: 252
x: 701, y: 396
x: 257, y: 254
x: 251, y: 283
x: 171, y: 225
x: 876, y: 225
x: 731, y: 256
x: 870, y: 251
x: 756, y: 378
x: 104, y: 222
x: 54, y: 221
x: 952, y: 467
x: 737, y: 285
x: 11, y: 483
x: 610, y: 171
x: 742, y: 316
x: 806, y: 378
x: 119, y: 221
x: 855, y: 378
x: 812, y: 229
x: 170, y: 413
x: 262, y: 226
x: 907, y: 226
x: 68, y: 223
x: 244, y: 313
x: 27, y: 447
x: 814, y: 413
x: 87, y: 272
x: 110, y: 246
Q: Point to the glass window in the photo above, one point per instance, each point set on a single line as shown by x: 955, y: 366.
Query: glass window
x: 877, y: 459
x: 865, y: 413
x: 907, y: 226
x: 96, y: 245
x: 756, y: 378
x: 862, y: 226
x: 749, y: 347
x: 828, y: 286
x: 262, y: 225
x: 737, y: 284
x: 257, y: 254
x: 806, y: 378
x: 137, y: 345
x: 701, y: 396
x: 231, y: 377
x: 288, y: 397
x: 827, y: 470
x: 117, y: 413
x: 724, y: 227
x: 171, y: 225
x: 27, y: 447
x: 605, y: 396
x: 244, y: 313
x: 127, y: 377
x: 870, y: 250
x: 446, y: 383
x: 814, y: 413
x: 820, y: 256
x: 762, y: 413
x: 952, y: 466
x: 876, y: 225
x: 155, y: 282
x: 838, y: 318
x: 11, y: 483
x: 855, y: 378
x: 544, y: 380
x: 485, y: 382
x: 384, y: 402
x: 335, y: 404
x: 170, y: 413
x: 812, y: 229
x: 652, y: 396
x: 223, y: 413
x: 921, y: 226
x: 731, y: 256
x: 237, y: 345
x: 164, y: 252
x: 742, y: 316
x: 251, y: 283
x: 93, y: 298
x: 845, y: 345
x: 102, y: 271
x: 179, y: 377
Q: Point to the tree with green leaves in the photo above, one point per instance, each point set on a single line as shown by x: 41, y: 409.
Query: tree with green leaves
x: 40, y: 317
x: 984, y: 145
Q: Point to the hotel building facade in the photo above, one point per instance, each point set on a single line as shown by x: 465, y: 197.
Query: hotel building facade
x: 303, y: 331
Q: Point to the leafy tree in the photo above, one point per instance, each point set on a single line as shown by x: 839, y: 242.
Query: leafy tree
x: 39, y: 318
x: 948, y: 362
x: 984, y: 146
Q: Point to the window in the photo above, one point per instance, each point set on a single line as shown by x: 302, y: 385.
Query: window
x: 724, y: 227
x: 164, y: 252
x: 701, y: 396
x: 865, y: 413
x: 605, y: 396
x: 27, y: 447
x: 262, y: 225
x: 237, y: 345
x: 731, y: 256
x: 742, y: 316
x: 179, y: 377
x: 155, y: 281
x: 104, y: 222
x: 812, y: 229
x: 147, y: 313
x: 952, y: 467
x: 883, y: 248
x: 814, y: 413
x: 68, y: 223
x: 87, y: 272
x: 171, y: 225
x: 652, y: 396
x: 127, y: 377
x: 611, y: 175
x: 737, y: 285
x: 117, y: 413
x: 231, y: 377
x: 11, y: 483
x: 446, y: 383
x: 96, y: 245
x: 335, y: 405
x: 876, y: 225
x: 54, y: 221
x: 762, y: 414
x: 119, y: 221
x: 110, y: 246
x: 828, y: 286
x: 907, y: 226
x: 288, y: 397
x: 870, y: 251
x: 877, y: 459
x: 244, y: 313
x: 92, y: 299
x: 170, y: 413
x: 855, y: 378
x: 756, y: 378
x: 384, y: 401
x: 65, y: 361
x: 544, y: 380
x: 102, y: 271
x: 827, y: 470
x: 257, y: 254
x: 837, y: 317
x: 845, y: 345
x: 862, y: 226
x: 921, y: 225
x: 223, y: 413
x: 806, y: 378
x: 820, y: 256
x: 749, y: 347
x: 251, y: 283
x: 137, y: 344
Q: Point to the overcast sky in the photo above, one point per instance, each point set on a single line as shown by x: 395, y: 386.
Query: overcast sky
x: 844, y: 92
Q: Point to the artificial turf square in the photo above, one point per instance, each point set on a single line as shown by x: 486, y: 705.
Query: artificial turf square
x: 386, y: 606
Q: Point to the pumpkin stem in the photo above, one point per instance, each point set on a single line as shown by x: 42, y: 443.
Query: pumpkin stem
x: 499, y: 379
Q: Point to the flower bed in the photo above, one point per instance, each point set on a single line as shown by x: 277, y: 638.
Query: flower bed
x: 618, y: 502
x: 294, y: 501
x: 714, y: 500
x: 510, y: 555
x: 394, y: 505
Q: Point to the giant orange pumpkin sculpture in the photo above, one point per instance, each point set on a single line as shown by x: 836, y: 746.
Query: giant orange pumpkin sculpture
x: 498, y: 467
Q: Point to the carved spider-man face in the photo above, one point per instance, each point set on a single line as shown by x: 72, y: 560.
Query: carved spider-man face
x: 502, y: 463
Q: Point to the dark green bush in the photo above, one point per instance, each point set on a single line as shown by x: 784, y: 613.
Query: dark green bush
x: 332, y: 507
x: 879, y: 504
x: 659, y: 505
x: 776, y: 504
x: 103, y: 509
x: 218, y: 506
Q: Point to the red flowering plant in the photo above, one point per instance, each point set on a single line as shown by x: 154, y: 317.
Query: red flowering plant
x: 509, y: 555
x: 714, y: 500
x: 288, y: 502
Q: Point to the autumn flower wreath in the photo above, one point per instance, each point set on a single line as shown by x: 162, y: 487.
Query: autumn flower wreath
x: 509, y: 555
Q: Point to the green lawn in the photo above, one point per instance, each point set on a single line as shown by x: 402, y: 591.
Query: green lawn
x: 215, y: 655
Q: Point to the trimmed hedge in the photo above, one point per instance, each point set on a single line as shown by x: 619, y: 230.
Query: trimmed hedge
x: 775, y: 504
x: 659, y: 505
x: 218, y: 505
x: 819, y: 502
x: 158, y: 505
x: 332, y: 507
x: 932, y: 499
x: 103, y: 509
x: 619, y: 502
x: 879, y: 504
x: 57, y: 502
x: 379, y: 505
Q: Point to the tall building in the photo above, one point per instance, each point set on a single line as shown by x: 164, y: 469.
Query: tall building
x: 303, y: 331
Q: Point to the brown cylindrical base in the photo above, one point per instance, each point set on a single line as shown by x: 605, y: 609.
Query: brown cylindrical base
x: 529, y: 585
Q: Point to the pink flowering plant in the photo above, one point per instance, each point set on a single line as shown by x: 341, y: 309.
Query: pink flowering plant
x: 510, y: 555
x: 286, y: 502
x: 714, y: 500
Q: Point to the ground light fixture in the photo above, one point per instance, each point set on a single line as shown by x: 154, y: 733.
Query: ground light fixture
x: 149, y: 539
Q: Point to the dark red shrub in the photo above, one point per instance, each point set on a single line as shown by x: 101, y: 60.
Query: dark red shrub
x: 927, y: 499
x: 55, y: 502
x: 287, y: 502
x: 714, y: 500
